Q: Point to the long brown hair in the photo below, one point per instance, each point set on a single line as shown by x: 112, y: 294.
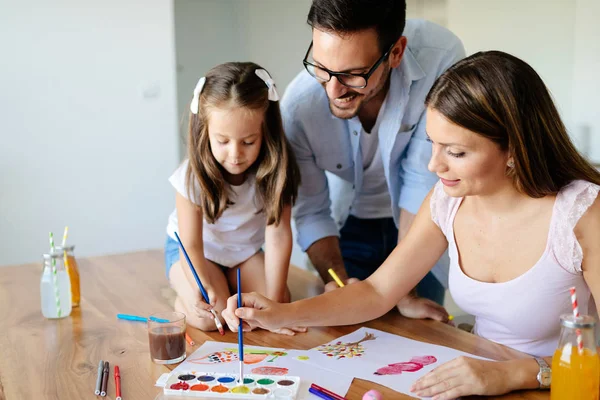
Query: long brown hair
x: 236, y: 84
x: 503, y: 99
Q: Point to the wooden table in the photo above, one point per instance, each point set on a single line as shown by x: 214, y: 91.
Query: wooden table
x: 58, y: 359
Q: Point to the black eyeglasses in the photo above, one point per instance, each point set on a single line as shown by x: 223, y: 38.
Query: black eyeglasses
x: 356, y: 81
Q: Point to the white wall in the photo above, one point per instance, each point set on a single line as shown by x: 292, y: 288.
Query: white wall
x: 539, y: 32
x: 431, y: 10
x: 80, y: 144
x: 586, y: 79
x: 206, y: 34
x: 275, y: 35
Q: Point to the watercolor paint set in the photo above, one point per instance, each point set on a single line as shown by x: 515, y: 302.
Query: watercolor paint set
x: 227, y: 386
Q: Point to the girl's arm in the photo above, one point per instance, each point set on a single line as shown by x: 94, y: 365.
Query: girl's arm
x: 278, y: 250
x: 189, y: 217
x: 359, y: 302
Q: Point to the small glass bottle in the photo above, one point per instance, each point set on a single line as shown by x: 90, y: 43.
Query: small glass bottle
x: 575, y: 371
x: 73, y: 271
x: 55, y: 287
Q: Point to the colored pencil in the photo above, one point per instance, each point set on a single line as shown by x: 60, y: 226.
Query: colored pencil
x: 189, y: 339
x: 327, y: 392
x: 99, y: 378
x: 104, y: 379
x: 240, y: 330
x: 202, y: 290
x: 319, y: 394
x: 335, y: 277
x: 141, y: 319
x: 117, y: 383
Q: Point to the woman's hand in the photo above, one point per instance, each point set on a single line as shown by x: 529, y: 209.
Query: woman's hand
x: 465, y: 376
x: 257, y: 312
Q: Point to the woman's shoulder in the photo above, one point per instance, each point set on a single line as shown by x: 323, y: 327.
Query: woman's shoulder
x: 586, y: 209
x: 575, y: 198
x: 441, y: 206
x: 577, y: 220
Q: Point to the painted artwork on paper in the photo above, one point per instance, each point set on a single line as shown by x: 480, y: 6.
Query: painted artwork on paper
x: 278, y: 371
x: 230, y: 355
x: 415, y: 364
x: 390, y: 360
x: 339, y: 349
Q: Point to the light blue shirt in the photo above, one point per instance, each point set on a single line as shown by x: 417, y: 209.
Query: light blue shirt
x: 327, y: 148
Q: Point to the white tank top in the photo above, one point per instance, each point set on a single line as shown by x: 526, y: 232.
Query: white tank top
x: 524, y: 313
x: 240, y: 231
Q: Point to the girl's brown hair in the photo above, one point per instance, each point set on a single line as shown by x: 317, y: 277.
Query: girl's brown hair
x: 503, y: 99
x: 236, y: 84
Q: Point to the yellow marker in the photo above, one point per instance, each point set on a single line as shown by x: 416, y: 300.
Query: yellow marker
x: 450, y: 317
x: 335, y: 277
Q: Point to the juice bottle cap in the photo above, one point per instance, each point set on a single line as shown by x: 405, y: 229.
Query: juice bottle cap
x: 581, y: 322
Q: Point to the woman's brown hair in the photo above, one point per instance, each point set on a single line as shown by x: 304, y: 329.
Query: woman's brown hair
x: 503, y: 99
x: 229, y: 85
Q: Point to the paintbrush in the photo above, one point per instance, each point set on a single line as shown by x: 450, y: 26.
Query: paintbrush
x: 204, y: 294
x: 240, y: 330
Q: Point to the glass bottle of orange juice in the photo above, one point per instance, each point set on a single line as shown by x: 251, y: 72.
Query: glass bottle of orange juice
x: 576, y: 369
x: 73, y: 270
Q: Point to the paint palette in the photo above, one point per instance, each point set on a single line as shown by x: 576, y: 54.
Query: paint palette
x: 227, y: 386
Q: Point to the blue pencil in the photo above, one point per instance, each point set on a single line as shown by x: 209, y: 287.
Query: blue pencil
x: 141, y: 319
x: 202, y: 290
x: 320, y: 394
x: 240, y: 330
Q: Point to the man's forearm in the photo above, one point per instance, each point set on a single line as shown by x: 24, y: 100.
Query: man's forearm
x: 325, y: 253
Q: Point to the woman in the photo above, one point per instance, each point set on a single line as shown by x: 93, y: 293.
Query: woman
x: 517, y: 207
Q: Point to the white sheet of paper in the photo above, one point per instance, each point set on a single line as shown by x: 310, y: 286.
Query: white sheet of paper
x: 381, y: 357
x: 222, y: 357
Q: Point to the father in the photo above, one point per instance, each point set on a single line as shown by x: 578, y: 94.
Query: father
x: 356, y: 121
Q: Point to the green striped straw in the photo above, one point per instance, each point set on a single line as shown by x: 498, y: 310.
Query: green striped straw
x: 54, y: 276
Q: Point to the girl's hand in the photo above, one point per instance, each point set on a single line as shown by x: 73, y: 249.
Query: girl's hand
x: 200, y: 306
x: 290, y: 331
x: 257, y: 312
x: 465, y: 376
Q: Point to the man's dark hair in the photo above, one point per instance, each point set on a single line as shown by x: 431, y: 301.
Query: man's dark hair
x: 387, y: 17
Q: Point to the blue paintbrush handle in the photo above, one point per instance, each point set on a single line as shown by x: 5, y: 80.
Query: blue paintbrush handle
x: 240, y: 330
x: 204, y: 294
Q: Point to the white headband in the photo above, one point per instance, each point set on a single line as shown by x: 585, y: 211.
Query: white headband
x: 261, y: 73
x: 196, y: 99
x: 264, y: 75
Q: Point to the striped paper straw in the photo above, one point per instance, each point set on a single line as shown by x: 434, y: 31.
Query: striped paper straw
x: 64, y: 243
x: 576, y: 315
x: 66, y: 232
x: 54, y: 276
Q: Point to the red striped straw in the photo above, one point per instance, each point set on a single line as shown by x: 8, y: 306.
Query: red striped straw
x: 576, y: 315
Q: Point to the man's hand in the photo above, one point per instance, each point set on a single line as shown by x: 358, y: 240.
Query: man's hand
x: 415, y: 307
x: 333, y: 285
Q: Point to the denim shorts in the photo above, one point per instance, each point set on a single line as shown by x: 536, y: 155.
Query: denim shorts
x: 172, y: 255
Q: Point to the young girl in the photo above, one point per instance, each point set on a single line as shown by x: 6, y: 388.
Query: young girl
x: 518, y: 209
x: 234, y: 194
